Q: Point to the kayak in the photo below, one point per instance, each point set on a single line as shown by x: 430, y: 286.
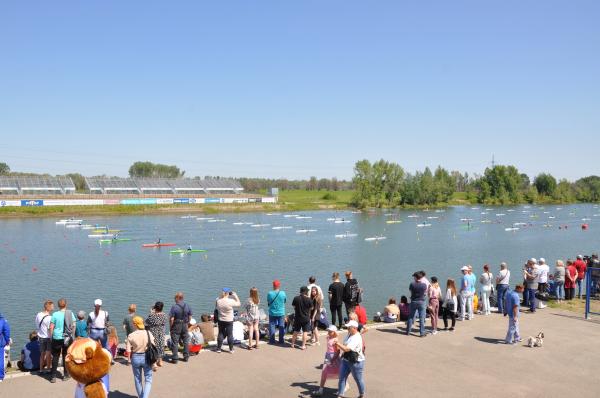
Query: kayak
x: 101, y: 236
x: 102, y: 231
x: 114, y: 240
x: 158, y: 244
x: 393, y: 221
x: 70, y: 221
x: 184, y: 251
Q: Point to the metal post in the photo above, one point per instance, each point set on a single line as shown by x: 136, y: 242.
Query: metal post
x: 588, y: 288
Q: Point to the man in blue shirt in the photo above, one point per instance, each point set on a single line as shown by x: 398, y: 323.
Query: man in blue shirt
x: 276, y: 300
x: 4, y: 341
x: 512, y: 303
x: 466, y: 294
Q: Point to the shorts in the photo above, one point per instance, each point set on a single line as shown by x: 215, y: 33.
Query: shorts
x: 45, y: 345
x: 302, y: 326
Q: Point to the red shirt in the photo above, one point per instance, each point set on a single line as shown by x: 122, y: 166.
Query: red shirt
x: 581, y: 267
x: 571, y: 270
x: 361, y: 312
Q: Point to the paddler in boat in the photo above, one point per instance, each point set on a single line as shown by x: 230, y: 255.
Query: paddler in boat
x: 106, y: 228
x: 158, y: 241
x: 189, y: 248
x: 115, y: 236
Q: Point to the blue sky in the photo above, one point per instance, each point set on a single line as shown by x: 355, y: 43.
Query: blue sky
x: 294, y: 89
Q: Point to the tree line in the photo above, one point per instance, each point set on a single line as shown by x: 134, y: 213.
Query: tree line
x: 386, y: 184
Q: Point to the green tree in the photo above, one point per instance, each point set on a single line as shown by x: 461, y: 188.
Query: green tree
x: 78, y: 180
x: 154, y: 170
x: 4, y: 169
x: 545, y: 184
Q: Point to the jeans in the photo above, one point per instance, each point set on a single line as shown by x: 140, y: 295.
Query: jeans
x: 336, y: 310
x: 559, y: 290
x: 179, y: 332
x: 279, y: 322
x: 58, y: 349
x: 501, y: 289
x: 445, y: 313
x: 530, y: 293
x: 466, y: 304
x: 513, y: 335
x: 138, y: 363
x: 580, y: 286
x: 99, y: 335
x: 2, y: 362
x: 225, y: 330
x: 421, y: 307
x: 357, y: 370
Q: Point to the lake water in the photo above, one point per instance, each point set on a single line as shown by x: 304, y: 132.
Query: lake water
x: 40, y: 260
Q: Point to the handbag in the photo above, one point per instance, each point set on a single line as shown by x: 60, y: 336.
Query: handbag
x: 351, y: 356
x: 151, y: 352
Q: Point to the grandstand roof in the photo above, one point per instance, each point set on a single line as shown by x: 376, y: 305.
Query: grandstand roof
x: 161, y: 184
x: 37, y: 183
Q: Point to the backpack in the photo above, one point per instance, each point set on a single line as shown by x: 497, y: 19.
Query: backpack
x: 355, y: 294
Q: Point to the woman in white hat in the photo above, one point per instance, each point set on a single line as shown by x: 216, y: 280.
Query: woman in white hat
x: 331, y: 367
x: 353, y: 359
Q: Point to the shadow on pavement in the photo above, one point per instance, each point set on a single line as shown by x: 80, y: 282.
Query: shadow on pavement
x: 579, y: 317
x: 489, y: 341
x: 308, y: 388
x: 119, y: 394
x: 392, y: 330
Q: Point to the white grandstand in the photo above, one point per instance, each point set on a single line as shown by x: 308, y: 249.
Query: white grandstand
x: 36, y: 185
x: 160, y: 186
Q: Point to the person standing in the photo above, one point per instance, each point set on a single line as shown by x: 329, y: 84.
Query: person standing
x: 42, y: 323
x: 336, y: 295
x: 502, y: 284
x: 352, y: 292
x: 276, y: 300
x: 511, y: 308
x: 253, y: 317
x: 136, y: 346
x: 128, y: 321
x: 303, y: 306
x: 312, y: 282
x: 156, y: 322
x: 353, y: 359
x: 450, y: 304
x: 96, y: 321
x: 472, y: 306
x: 543, y: 270
x: 434, y: 293
x: 418, y: 292
x: 315, y: 314
x: 180, y: 316
x: 559, y: 281
x: 581, y: 267
x: 485, y: 280
x: 570, y: 280
x: 4, y: 341
x: 225, y: 304
x: 531, y: 275
x: 466, y: 295
x: 62, y: 325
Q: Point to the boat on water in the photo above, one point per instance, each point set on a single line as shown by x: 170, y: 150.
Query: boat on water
x: 356, y: 212
x: 305, y: 231
x: 334, y: 219
x: 511, y: 229
x: 500, y: 214
x: 432, y: 218
x: 204, y: 218
x: 260, y: 225
x: 280, y: 227
x: 413, y: 216
x: 187, y: 217
x: 103, y: 231
x: 393, y: 221
x: 216, y: 220
x: 118, y: 240
x: 486, y: 221
x: 101, y: 235
x: 423, y: 225
x: 303, y: 218
x: 346, y: 235
x: 186, y: 251
x: 517, y: 224
x: 68, y: 221
x: 82, y: 226
x: 158, y: 244
x: 290, y: 215
x: 342, y: 222
x: 238, y: 223
x: 375, y: 238
x: 551, y: 217
x: 466, y: 219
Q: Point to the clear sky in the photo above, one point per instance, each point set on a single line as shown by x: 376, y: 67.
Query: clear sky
x: 299, y: 88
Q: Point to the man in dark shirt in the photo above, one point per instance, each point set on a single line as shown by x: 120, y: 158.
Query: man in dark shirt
x: 180, y: 315
x: 418, y: 292
x: 303, y: 305
x: 336, y: 295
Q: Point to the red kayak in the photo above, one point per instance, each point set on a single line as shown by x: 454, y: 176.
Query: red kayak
x: 158, y: 244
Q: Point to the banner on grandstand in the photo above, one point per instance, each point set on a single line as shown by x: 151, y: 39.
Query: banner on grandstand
x: 181, y: 201
x: 164, y: 201
x: 111, y: 201
x: 213, y: 200
x: 143, y: 201
x: 10, y: 203
x: 268, y: 200
x: 73, y: 202
x: 32, y: 202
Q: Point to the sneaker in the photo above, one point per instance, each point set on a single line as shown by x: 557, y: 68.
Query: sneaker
x: 67, y: 377
x: 53, y: 380
x: 319, y: 392
x: 434, y: 332
x: 185, y: 359
x: 232, y: 351
x: 218, y: 351
x: 451, y: 329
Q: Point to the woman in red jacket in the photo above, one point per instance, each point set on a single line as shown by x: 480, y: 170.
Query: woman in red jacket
x: 570, y: 280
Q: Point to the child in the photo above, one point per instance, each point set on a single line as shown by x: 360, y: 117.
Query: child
x: 331, y: 368
x: 404, y: 308
x: 81, y: 325
x: 113, y: 340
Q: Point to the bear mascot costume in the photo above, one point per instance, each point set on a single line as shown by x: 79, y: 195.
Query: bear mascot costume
x: 88, y: 363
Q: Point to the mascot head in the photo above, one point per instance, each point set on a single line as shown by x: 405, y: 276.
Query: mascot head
x: 87, y: 362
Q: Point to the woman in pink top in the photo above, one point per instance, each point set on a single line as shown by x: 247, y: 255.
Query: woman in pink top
x: 434, y: 293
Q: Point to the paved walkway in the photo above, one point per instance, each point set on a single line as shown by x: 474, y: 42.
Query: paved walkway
x: 470, y: 362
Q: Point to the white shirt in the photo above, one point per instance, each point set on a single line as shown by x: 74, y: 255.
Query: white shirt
x: 543, y: 269
x: 318, y: 290
x: 355, y: 343
x: 42, y: 324
x: 503, y: 277
x: 98, y: 322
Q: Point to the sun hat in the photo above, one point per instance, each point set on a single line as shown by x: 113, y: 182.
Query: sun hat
x: 98, y: 302
x: 352, y: 324
x: 332, y: 328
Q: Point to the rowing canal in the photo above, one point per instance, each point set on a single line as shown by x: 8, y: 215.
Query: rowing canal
x: 40, y: 260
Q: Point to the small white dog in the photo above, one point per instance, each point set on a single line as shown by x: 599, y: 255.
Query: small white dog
x: 537, y: 341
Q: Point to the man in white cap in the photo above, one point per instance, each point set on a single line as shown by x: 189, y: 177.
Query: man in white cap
x: 466, y: 295
x: 97, y: 321
x: 531, y: 275
x: 543, y: 270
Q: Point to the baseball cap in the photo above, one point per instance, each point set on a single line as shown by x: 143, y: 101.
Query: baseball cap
x: 226, y: 289
x: 465, y: 268
x: 193, y: 321
x: 98, y: 302
x: 332, y: 328
x: 276, y: 283
x: 580, y: 257
x: 533, y: 260
x: 352, y: 324
x: 542, y: 260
